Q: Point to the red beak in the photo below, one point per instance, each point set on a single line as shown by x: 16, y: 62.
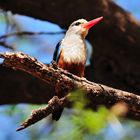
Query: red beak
x: 92, y: 23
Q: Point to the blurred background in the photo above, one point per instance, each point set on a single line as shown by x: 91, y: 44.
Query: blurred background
x: 41, y: 46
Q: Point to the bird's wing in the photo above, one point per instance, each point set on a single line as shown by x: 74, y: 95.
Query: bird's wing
x: 57, y: 52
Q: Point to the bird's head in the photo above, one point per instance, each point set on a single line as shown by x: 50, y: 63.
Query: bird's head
x: 82, y: 26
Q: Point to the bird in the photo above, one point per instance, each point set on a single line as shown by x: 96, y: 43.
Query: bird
x: 70, y: 54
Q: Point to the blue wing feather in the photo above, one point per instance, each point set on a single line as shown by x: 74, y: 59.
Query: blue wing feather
x: 57, y: 52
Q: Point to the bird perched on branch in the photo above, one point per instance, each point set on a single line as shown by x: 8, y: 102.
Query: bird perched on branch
x: 70, y: 53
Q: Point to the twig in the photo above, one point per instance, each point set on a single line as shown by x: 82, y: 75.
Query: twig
x: 30, y: 33
x: 43, y: 112
x: 4, y: 44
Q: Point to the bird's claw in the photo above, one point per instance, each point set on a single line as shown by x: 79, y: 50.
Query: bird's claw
x: 53, y: 64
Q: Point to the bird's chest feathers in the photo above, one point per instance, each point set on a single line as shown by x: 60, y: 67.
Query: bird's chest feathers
x: 74, y: 51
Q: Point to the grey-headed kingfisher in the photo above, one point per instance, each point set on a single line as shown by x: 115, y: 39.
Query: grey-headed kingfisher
x: 70, y: 53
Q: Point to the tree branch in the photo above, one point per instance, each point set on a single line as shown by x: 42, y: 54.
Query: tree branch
x: 43, y: 112
x: 4, y: 44
x: 62, y: 82
x: 29, y: 33
x: 115, y: 40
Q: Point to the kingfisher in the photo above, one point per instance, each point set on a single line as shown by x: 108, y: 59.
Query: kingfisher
x: 71, y: 53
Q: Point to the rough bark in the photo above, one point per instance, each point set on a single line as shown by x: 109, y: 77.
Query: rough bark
x: 116, y: 40
x: 63, y: 82
x: 53, y: 105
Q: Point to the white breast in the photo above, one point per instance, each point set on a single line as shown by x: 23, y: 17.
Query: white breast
x: 74, y: 50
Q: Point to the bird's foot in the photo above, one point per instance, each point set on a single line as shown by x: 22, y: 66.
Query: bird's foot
x: 83, y: 78
x: 53, y: 64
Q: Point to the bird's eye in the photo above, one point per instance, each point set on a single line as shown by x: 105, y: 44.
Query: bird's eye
x: 77, y: 23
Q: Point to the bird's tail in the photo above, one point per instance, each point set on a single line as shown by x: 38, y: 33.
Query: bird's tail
x: 57, y: 114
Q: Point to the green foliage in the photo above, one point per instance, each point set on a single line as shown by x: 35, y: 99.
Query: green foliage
x: 86, y: 121
x: 82, y: 123
x: 90, y: 122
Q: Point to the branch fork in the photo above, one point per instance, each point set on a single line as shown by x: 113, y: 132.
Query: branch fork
x: 63, y: 81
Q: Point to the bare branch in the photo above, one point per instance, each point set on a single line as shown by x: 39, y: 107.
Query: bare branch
x: 43, y: 112
x: 30, y: 33
x: 62, y: 82
x: 4, y: 44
